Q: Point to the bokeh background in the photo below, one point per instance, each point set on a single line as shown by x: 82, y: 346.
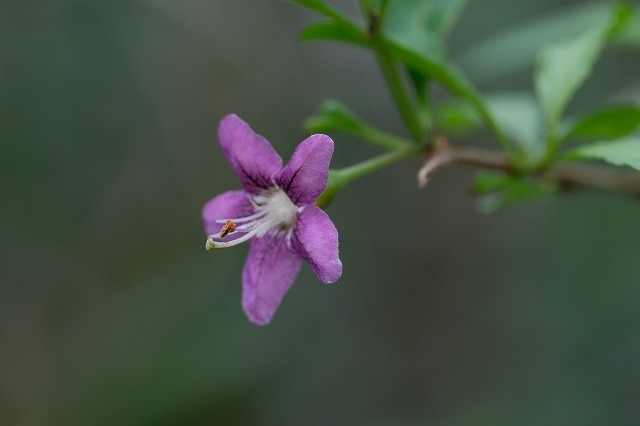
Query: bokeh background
x: 112, y: 312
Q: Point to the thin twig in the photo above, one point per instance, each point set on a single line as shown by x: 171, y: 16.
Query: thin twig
x: 576, y: 176
x: 568, y: 176
x: 443, y: 155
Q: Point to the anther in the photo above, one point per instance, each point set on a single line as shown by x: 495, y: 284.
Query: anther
x: 227, y: 228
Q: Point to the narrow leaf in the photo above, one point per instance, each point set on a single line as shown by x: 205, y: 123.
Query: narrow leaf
x: 607, y: 123
x: 486, y: 181
x: 563, y: 67
x: 629, y: 36
x: 420, y: 26
x: 456, y: 117
x: 435, y: 65
x: 621, y: 152
x: 516, y: 113
x: 418, y: 19
x: 327, y: 10
x: 515, y: 48
x: 335, y: 116
x: 499, y: 190
x: 519, y: 116
x: 444, y: 15
x: 333, y: 30
x: 319, y: 6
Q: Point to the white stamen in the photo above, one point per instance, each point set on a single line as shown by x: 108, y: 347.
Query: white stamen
x: 275, y: 213
x: 243, y: 219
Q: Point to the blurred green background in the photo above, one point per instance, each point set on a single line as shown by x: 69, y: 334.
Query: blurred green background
x: 112, y: 312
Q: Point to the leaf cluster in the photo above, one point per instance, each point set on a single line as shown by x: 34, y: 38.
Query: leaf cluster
x: 532, y: 129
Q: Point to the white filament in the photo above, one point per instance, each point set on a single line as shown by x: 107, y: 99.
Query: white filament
x: 274, y: 212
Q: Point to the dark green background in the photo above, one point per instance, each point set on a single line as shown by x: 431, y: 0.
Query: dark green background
x: 112, y: 312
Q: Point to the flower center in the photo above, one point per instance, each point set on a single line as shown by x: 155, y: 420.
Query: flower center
x: 274, y: 211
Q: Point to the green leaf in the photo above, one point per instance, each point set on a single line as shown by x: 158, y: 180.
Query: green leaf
x: 434, y: 64
x: 515, y: 48
x: 620, y: 152
x: 419, y: 83
x: 417, y: 19
x: 629, y: 36
x: 516, y: 113
x: 321, y: 7
x: 444, y: 14
x: 606, y: 123
x: 563, y: 67
x: 456, y: 117
x: 335, y: 116
x: 486, y: 181
x: 333, y: 30
x: 420, y: 25
x: 330, y: 12
x: 500, y: 190
x: 414, y: 28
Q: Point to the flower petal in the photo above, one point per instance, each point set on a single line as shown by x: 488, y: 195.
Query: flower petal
x: 315, y: 238
x: 269, y: 271
x: 251, y: 156
x: 227, y: 205
x: 305, y: 176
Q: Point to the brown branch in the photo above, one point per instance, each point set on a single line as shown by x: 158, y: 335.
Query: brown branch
x: 443, y: 155
x: 576, y: 176
x: 568, y: 176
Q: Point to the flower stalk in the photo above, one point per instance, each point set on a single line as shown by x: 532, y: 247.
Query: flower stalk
x: 339, y: 178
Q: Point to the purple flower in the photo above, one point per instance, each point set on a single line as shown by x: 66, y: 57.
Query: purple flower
x: 275, y: 211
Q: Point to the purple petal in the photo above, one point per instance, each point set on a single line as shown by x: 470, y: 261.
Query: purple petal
x: 270, y: 270
x: 305, y: 176
x: 315, y: 238
x: 251, y: 156
x: 227, y: 205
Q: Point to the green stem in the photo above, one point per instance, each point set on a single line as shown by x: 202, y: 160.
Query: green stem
x: 389, y: 69
x: 339, y: 178
x: 383, y: 7
x: 355, y: 171
x: 398, y: 91
x: 421, y: 89
x: 330, y: 12
x: 552, y: 147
